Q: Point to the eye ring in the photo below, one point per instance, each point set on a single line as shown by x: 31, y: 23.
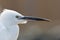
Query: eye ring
x: 17, y: 16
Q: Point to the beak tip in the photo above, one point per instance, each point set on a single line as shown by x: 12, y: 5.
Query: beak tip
x: 48, y: 20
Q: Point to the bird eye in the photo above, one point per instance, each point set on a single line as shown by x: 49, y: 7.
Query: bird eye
x: 17, y: 16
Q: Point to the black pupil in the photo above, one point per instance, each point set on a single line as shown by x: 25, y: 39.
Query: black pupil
x: 17, y: 16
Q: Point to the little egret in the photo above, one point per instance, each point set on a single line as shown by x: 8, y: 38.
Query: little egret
x: 9, y: 20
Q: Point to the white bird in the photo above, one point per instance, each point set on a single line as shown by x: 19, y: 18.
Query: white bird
x: 9, y: 20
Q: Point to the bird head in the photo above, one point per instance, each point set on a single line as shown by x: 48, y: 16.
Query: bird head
x: 17, y: 18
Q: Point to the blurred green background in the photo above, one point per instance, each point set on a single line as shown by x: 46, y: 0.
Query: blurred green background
x: 39, y: 8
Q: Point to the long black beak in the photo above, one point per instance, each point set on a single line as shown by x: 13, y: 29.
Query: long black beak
x: 34, y: 18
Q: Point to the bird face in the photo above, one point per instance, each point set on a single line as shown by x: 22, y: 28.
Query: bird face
x: 16, y: 18
x: 12, y: 17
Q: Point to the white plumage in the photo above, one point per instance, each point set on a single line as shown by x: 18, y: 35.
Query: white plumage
x: 9, y: 29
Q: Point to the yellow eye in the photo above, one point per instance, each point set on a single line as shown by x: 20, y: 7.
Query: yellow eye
x: 17, y: 16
